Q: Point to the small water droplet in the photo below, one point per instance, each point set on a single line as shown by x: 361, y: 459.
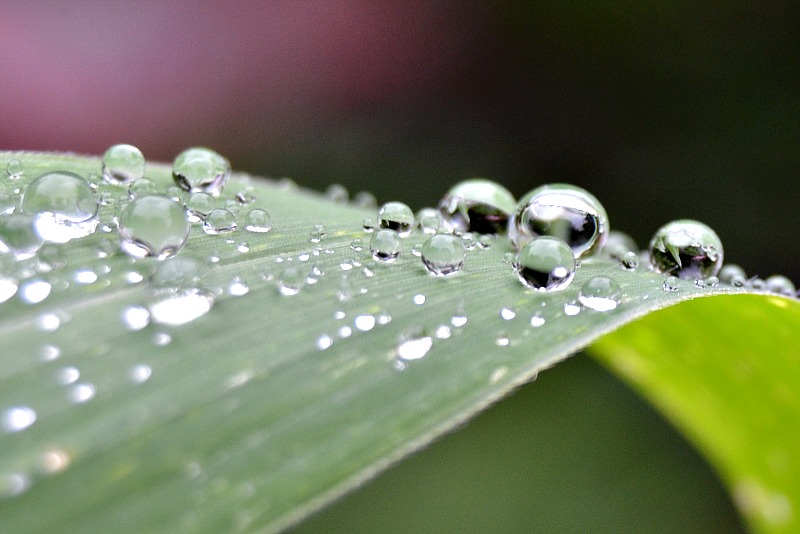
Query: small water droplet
x: 509, y: 258
x: 337, y: 193
x: 291, y: 281
x: 357, y: 244
x: 537, y: 320
x: 238, y: 288
x: 600, y: 293
x: 13, y: 484
x: 15, y: 169
x: 161, y: 339
x: 443, y: 254
x: 428, y: 220
x: 459, y: 319
x: 324, y: 342
x: 368, y: 225
x: 63, y: 205
x: 122, y: 164
x: 507, y: 313
x: 84, y: 276
x: 142, y: 188
x: 729, y: 272
x: 48, y: 322
x: 618, y: 244
x: 201, y: 169
x: 365, y: 322
x: 181, y: 307
x: 545, y: 264
x: 258, y: 221
x: 442, y: 332
x: 572, y: 308
x: 781, y: 285
x: 245, y: 197
x: 396, y: 216
x: 54, y: 461
x: 219, y: 221
x: 318, y: 233
x: 135, y: 317
x: 49, y: 353
x: 419, y: 299
x: 385, y: 245
x: 17, y: 418
x: 686, y: 249
x: 629, y: 260
x: 502, y: 339
x: 8, y: 288
x: 81, y: 393
x: 199, y: 206
x: 413, y: 346
x: 153, y: 226
x: 671, y: 283
x: 365, y: 199
x: 344, y: 332
x: 566, y: 212
x: 68, y: 375
x: 478, y: 205
x: 18, y: 236
x: 34, y: 291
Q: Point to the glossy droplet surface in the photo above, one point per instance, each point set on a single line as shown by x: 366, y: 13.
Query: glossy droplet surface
x: 396, y: 216
x: 777, y: 283
x: 545, y: 264
x: 443, y: 254
x: 600, y: 293
x: 730, y: 272
x: 63, y: 205
x: 199, y: 206
x: 219, y: 221
x: 385, y: 245
x: 564, y: 211
x: 141, y: 188
x: 15, y: 169
x: 122, y: 164
x: 18, y: 236
x: 201, y: 170
x: 618, y: 244
x: 258, y: 221
x: 687, y: 249
x: 428, y: 220
x: 478, y: 205
x: 153, y: 226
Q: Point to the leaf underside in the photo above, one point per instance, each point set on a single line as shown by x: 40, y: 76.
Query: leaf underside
x: 247, y: 424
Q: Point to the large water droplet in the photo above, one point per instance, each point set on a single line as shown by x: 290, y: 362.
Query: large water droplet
x: 63, y: 204
x: 201, y: 169
x: 686, y: 249
x: 396, y: 216
x: 219, y: 221
x: 564, y: 211
x: 122, y: 164
x: 153, y: 226
x: 545, y: 264
x: 35, y: 291
x: 477, y: 205
x: 385, y: 245
x: 18, y: 236
x: 600, y: 293
x: 443, y: 254
x: 258, y: 221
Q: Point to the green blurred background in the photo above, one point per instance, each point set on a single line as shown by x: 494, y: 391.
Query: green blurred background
x: 662, y: 110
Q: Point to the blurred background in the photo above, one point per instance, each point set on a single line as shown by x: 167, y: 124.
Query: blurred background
x: 663, y: 110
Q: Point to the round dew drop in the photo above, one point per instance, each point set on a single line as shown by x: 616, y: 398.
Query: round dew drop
x: 443, y: 254
x: 566, y: 212
x: 15, y: 169
x: 600, y: 293
x: 153, y: 226
x: 428, y: 220
x: 63, y: 204
x: 545, y: 264
x: 122, y: 164
x: 258, y: 221
x: 478, y: 205
x: 618, y: 244
x: 396, y: 216
x: 199, y: 206
x: 219, y: 221
x: 385, y: 245
x: 686, y: 249
x: 141, y: 188
x: 18, y: 236
x: 781, y: 285
x: 201, y: 170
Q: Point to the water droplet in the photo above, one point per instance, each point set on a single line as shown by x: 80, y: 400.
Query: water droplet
x: 153, y: 226
x: 18, y: 236
x: 63, y: 205
x: 291, y: 281
x: 49, y: 353
x: 731, y: 271
x: 364, y: 322
x: 618, y: 244
x: 344, y: 332
x: 365, y: 199
x: 243, y: 248
x: 68, y: 375
x: 629, y: 260
x: 258, y: 221
x: 537, y: 320
x: 181, y: 308
x: 459, y: 319
x: 18, y: 418
x: 443, y: 254
x: 413, y: 346
x: 13, y: 484
x: 572, y: 308
x: 507, y: 313
x: 245, y: 197
x: 385, y: 245
x: 318, y: 233
x: 219, y: 221
x: 545, y: 264
x: 509, y: 258
x: 502, y: 339
x: 324, y: 342
x: 672, y: 283
x: 199, y: 206
x: 161, y: 339
x: 428, y: 220
x: 135, y: 317
x: 15, y: 169
x: 478, y: 205
x: 8, y: 288
x: 419, y: 299
x: 81, y: 393
x: 368, y: 225
x: 337, y: 193
x: 34, y: 291
x: 396, y: 216
x: 686, y: 249
x: 54, y: 461
x: 201, y: 169
x: 442, y: 332
x: 600, y: 293
x: 238, y: 288
x: 142, y: 188
x: 122, y: 164
x: 781, y: 285
x: 566, y: 212
x: 357, y: 244
x: 84, y: 276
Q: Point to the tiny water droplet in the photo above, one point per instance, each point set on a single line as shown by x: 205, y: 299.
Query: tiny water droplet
x: 618, y: 244
x: 238, y: 288
x: 537, y: 320
x: 507, y: 313
x: 478, y: 205
x: 13, y: 484
x: 142, y: 188
x: 629, y: 261
x: 17, y: 418
x: 508, y: 258
x: 757, y: 283
x: 686, y: 249
x: 245, y: 197
x: 385, y: 245
x: 443, y: 254
x: 419, y: 299
x: 140, y: 373
x: 365, y: 199
x: 414, y: 346
x: 8, y: 288
x: 68, y: 375
x: 442, y: 332
x: 396, y: 216
x: 729, y: 272
x: 63, y: 205
x: 153, y: 226
x: 318, y: 233
x: 49, y: 353
x: 135, y: 317
x: 54, y: 461
x: 122, y: 164
x: 34, y: 291
x: 15, y: 169
x: 258, y: 221
x: 502, y: 339
x: 459, y: 319
x: 344, y: 332
x: 368, y: 225
x: 357, y: 244
x: 564, y: 211
x: 201, y: 169
x: 572, y: 308
x: 600, y: 293
x: 545, y: 264
x: 672, y: 283
x: 84, y: 276
x: 81, y: 393
x: 781, y: 285
x: 219, y: 221
x: 428, y: 220
x: 324, y: 342
x: 337, y: 193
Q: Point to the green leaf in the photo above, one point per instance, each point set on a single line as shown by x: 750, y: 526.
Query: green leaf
x: 245, y: 418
